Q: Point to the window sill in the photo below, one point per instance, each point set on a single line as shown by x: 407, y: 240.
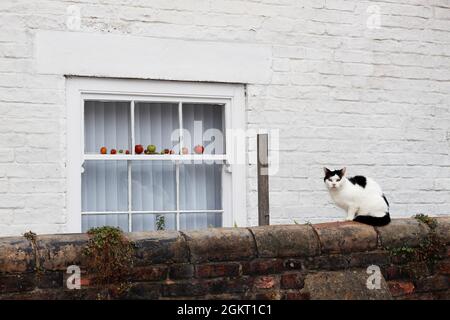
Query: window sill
x: 157, y: 157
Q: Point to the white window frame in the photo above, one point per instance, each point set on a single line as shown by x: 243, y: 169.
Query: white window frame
x: 232, y: 96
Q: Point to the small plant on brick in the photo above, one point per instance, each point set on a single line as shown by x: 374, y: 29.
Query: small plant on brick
x: 160, y: 222
x: 403, y: 252
x: 429, y: 249
x: 109, y: 260
x: 32, y: 237
x: 429, y: 221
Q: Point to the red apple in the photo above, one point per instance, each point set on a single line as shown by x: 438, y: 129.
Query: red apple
x: 113, y: 151
x: 166, y: 151
x: 171, y: 152
x: 103, y: 150
x: 127, y: 152
x: 138, y: 149
x: 199, y: 149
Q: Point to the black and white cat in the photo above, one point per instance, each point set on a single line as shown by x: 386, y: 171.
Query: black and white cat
x: 361, y: 197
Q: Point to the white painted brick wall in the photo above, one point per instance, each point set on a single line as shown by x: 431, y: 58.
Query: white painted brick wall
x: 374, y: 100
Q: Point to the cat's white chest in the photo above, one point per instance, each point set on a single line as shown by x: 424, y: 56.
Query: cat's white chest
x: 342, y: 198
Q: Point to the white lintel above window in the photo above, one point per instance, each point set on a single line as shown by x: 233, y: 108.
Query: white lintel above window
x: 127, y: 56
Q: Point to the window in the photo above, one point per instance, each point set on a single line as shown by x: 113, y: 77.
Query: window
x: 153, y: 155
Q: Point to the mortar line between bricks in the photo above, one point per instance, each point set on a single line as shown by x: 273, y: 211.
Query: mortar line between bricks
x: 318, y: 239
x: 254, y: 241
x: 187, y: 245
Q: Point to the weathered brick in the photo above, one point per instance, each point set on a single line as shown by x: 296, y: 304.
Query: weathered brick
x: 391, y: 272
x: 441, y: 295
x: 16, y: 283
x: 57, y: 252
x: 159, y: 247
x: 286, y: 241
x: 443, y: 229
x: 187, y: 288
x: 229, y: 285
x: 181, y: 271
x: 402, y: 231
x: 16, y: 255
x: 417, y: 296
x: 296, y: 295
x: 400, y: 288
x: 266, y: 282
x: 263, y: 266
x: 344, y: 285
x: 224, y: 244
x: 213, y: 270
x: 443, y: 267
x: 48, y: 280
x: 344, y: 237
x: 271, y: 295
x: 143, y: 291
x: 432, y: 283
x: 150, y: 273
x: 292, y: 281
x: 327, y: 262
x: 365, y: 259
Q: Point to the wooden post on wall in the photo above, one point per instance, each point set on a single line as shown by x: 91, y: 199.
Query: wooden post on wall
x: 263, y: 179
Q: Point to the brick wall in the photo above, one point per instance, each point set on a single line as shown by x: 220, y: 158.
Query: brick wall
x: 343, y: 92
x: 272, y: 262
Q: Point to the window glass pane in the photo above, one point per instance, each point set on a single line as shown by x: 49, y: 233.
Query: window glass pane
x: 191, y: 221
x: 151, y: 222
x: 200, y: 186
x: 203, y: 126
x: 106, y: 124
x: 104, y: 186
x: 153, y: 185
x: 99, y: 220
x: 155, y: 123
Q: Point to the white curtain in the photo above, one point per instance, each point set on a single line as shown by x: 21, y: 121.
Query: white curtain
x: 106, y: 124
x: 201, y: 184
x: 210, y: 117
x: 153, y: 189
x: 200, y: 189
x: 154, y: 124
x: 153, y: 183
x: 104, y: 188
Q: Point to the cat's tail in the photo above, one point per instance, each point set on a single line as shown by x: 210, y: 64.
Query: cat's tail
x: 374, y: 221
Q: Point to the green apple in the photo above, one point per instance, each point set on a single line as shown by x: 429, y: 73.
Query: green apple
x: 151, y: 148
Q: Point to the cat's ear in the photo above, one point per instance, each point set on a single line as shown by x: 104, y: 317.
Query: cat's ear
x: 343, y: 170
x: 326, y: 170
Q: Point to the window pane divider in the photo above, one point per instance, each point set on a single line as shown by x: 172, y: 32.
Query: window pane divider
x: 201, y: 211
x: 177, y: 164
x: 129, y: 164
x: 129, y: 196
